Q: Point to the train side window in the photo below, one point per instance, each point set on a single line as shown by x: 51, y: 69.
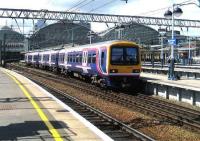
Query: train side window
x: 77, y: 58
x: 71, y: 58
x: 89, y: 58
x: 94, y: 58
x: 80, y: 58
x: 52, y: 58
x: 39, y: 58
x: 47, y: 58
x: 74, y: 58
x: 68, y: 58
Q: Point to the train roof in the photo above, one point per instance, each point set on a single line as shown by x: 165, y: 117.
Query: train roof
x: 62, y: 48
x: 106, y: 43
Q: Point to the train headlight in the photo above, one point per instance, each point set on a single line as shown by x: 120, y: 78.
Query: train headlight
x: 113, y: 71
x: 136, y: 71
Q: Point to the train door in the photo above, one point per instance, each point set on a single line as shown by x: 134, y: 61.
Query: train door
x: 103, y: 56
x: 84, y: 60
x: 66, y: 58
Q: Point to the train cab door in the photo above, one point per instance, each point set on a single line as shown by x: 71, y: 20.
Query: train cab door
x: 103, y: 57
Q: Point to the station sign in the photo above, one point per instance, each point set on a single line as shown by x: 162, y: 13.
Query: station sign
x: 172, y: 41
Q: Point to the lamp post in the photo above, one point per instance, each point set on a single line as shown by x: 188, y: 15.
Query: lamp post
x: 162, y: 34
x: 176, y: 11
x: 189, y: 57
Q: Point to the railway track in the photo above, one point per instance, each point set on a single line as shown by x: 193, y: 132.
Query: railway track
x: 113, y: 128
x: 166, y: 111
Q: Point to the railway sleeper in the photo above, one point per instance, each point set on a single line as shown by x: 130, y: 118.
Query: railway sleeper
x: 119, y: 134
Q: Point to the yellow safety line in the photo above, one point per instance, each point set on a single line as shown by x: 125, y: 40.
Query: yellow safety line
x: 42, y: 115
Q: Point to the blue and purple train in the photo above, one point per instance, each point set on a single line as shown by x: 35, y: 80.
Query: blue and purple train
x: 112, y: 64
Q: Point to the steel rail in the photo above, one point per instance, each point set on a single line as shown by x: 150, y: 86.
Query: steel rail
x: 135, y: 133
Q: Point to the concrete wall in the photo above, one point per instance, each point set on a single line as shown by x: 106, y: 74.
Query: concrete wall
x: 174, y: 92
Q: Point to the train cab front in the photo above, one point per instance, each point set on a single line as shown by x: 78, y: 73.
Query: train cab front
x: 124, y: 65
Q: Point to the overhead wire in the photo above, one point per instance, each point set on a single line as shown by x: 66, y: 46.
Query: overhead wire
x: 101, y: 6
x: 77, y: 4
x: 81, y: 6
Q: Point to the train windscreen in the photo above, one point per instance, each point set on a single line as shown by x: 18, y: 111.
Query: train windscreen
x: 124, y: 56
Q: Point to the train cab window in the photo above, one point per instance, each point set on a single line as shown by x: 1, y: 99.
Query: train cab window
x: 131, y: 56
x: 124, y: 56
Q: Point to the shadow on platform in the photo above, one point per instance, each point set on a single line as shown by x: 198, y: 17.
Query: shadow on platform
x: 24, y: 99
x: 33, y: 130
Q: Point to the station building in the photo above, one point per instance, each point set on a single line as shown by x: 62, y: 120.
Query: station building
x: 59, y: 33
x: 11, y: 44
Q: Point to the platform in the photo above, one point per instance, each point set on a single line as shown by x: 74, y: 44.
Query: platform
x: 188, y: 73
x: 184, y: 90
x: 28, y: 112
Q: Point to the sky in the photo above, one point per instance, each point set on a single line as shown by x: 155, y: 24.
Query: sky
x: 152, y: 8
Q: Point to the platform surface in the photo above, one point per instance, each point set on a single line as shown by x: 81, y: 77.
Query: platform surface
x: 24, y: 121
x: 158, y: 78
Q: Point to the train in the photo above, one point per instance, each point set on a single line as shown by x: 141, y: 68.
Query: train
x: 115, y: 63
